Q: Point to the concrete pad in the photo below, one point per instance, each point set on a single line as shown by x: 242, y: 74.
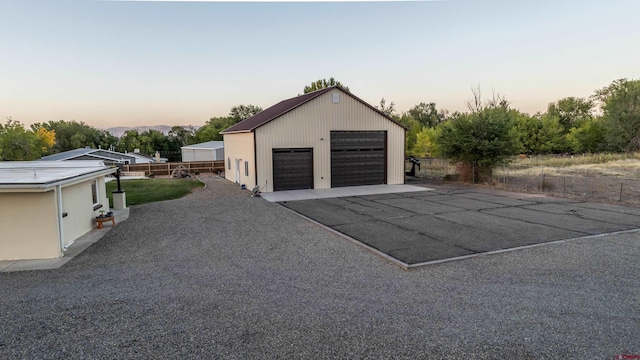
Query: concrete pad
x: 420, y: 206
x: 328, y: 214
x: 294, y: 195
x: 461, y: 202
x: 518, y: 233
x: 633, y: 221
x: 422, y: 227
x: 418, y: 194
x: 377, y: 210
x: 404, y: 245
x: 558, y: 221
x: 609, y: 207
x: 382, y: 196
x: 497, y: 199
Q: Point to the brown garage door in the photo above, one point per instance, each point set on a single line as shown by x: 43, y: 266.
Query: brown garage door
x: 358, y: 158
x: 292, y: 169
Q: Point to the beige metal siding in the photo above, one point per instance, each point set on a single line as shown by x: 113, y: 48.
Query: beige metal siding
x: 239, y: 148
x: 29, y: 226
x: 310, y: 126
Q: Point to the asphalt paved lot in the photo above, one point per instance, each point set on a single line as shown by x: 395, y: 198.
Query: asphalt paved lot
x: 425, y: 226
x: 222, y: 275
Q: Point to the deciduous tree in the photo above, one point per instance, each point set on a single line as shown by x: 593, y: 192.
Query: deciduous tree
x: 323, y: 83
x: 427, y: 114
x: 19, y: 144
x: 241, y: 112
x: 480, y: 139
x: 621, y: 114
x: 570, y: 112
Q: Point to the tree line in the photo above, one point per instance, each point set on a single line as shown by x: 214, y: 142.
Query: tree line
x: 488, y: 133
x: 41, y: 139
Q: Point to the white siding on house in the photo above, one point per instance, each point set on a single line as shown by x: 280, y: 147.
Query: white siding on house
x: 240, y: 148
x: 310, y: 125
x: 77, y: 202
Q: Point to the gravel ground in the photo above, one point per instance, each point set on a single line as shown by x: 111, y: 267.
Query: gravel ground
x: 219, y: 274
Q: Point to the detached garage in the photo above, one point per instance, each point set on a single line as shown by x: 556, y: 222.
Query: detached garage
x: 324, y: 139
x: 206, y: 151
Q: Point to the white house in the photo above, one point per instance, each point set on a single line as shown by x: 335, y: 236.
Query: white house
x: 46, y: 205
x: 324, y: 139
x: 206, y: 151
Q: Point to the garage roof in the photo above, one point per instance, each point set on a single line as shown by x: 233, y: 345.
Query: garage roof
x: 284, y: 107
x: 210, y: 145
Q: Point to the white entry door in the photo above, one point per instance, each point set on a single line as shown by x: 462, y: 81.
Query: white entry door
x: 238, y: 170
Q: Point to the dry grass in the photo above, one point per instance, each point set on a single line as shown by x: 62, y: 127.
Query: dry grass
x: 572, y: 160
x: 615, y: 168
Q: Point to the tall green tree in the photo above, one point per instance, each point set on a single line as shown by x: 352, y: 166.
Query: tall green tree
x: 589, y: 137
x: 389, y: 110
x: 550, y: 136
x: 323, y: 83
x: 72, y: 135
x: 426, y: 143
x: 154, y: 140
x: 480, y: 139
x: 413, y: 128
x: 241, y: 112
x: 19, y: 144
x: 129, y: 141
x: 212, y: 128
x: 621, y: 114
x: 181, y: 134
x: 570, y: 112
x: 427, y: 114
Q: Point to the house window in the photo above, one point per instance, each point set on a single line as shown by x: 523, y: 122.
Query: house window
x: 229, y: 163
x: 246, y: 168
x: 94, y: 192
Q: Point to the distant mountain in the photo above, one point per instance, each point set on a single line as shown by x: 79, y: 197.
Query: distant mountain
x: 120, y: 130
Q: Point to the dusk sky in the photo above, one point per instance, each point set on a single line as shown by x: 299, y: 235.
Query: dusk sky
x: 123, y: 63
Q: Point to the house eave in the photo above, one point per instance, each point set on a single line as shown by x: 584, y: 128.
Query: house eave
x: 48, y: 186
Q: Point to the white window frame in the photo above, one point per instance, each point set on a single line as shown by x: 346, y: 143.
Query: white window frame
x: 95, y: 195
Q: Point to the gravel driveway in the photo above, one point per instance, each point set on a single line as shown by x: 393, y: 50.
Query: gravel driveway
x: 219, y: 274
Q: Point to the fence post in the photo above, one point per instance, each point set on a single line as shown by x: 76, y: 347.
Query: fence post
x: 586, y: 184
x: 620, y: 196
x: 542, y: 181
x: 473, y: 172
x: 149, y: 167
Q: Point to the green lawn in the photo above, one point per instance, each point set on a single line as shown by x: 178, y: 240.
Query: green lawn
x: 149, y: 190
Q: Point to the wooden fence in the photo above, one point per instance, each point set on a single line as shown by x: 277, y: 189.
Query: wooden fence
x: 167, y: 168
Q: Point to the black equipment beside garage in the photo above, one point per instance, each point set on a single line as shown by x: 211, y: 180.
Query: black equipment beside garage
x: 358, y: 158
x: 292, y: 169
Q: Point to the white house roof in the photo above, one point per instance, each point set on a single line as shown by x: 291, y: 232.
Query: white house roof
x: 98, y: 154
x: 46, y: 174
x: 211, y: 145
